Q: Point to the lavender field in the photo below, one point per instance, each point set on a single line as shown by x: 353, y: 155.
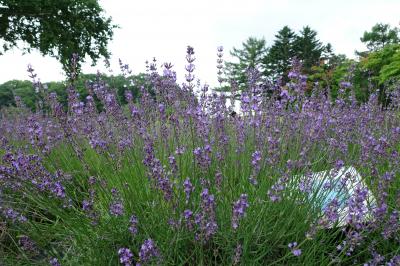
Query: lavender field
x: 178, y: 176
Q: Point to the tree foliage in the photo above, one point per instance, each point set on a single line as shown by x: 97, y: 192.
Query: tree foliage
x: 383, y: 69
x: 308, y: 48
x: 251, y: 55
x: 57, y: 28
x: 379, y: 36
x: 21, y: 88
x: 281, y: 53
x: 26, y: 91
x: 324, y: 76
x: 276, y: 61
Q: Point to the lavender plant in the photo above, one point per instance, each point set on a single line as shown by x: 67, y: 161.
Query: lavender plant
x: 175, y: 179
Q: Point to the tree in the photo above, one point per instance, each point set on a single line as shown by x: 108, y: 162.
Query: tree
x: 308, y: 48
x: 391, y: 71
x: 249, y: 57
x: 375, y: 72
x: 26, y: 90
x: 22, y: 88
x: 6, y: 96
x: 281, y: 53
x: 379, y: 36
x: 58, y: 28
x: 322, y: 76
x: 384, y: 64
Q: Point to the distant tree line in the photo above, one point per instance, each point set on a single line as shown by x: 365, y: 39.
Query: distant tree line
x: 27, y: 92
x: 374, y: 70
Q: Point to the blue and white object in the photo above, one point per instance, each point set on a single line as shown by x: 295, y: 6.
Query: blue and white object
x: 340, y: 185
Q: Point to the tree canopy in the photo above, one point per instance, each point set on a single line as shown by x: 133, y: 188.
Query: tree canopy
x: 26, y: 90
x: 58, y: 28
x: 281, y: 53
x: 251, y: 55
x: 276, y: 61
x: 379, y: 36
x: 308, y: 48
x: 374, y: 71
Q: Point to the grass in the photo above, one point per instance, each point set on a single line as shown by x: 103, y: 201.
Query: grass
x: 292, y: 143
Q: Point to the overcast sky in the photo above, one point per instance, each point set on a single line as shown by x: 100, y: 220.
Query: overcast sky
x: 163, y: 29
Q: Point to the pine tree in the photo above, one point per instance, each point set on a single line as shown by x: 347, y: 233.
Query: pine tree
x: 281, y: 53
x: 308, y: 48
x: 250, y: 56
x: 379, y: 36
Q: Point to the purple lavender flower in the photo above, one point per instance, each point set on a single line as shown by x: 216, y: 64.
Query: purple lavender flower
x: 172, y: 163
x: 395, y: 261
x: 272, y: 116
x: 293, y: 75
x: 218, y: 180
x: 296, y: 252
x: 205, y: 220
x: 275, y: 192
x: 188, y: 216
x: 179, y: 150
x: 128, y: 96
x: 189, y: 67
x: 125, y: 256
x: 339, y: 164
x: 87, y: 205
x: 208, y: 199
x: 92, y: 180
x: 331, y: 213
x: 392, y: 226
x: 239, y: 210
x: 148, y: 250
x: 345, y: 84
x: 28, y: 245
x: 284, y: 94
x: 133, y: 225
x: 293, y: 248
x: 203, y: 156
x: 14, y: 216
x: 357, y: 207
x: 220, y: 61
x: 255, y: 162
x: 238, y: 254
x: 58, y: 190
x: 255, y: 159
x: 117, y: 208
x: 208, y: 225
x: 54, y: 262
x: 188, y: 188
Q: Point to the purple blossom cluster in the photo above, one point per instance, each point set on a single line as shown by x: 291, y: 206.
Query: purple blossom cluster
x: 125, y: 256
x: 28, y: 245
x: 331, y: 214
x: 116, y: 206
x: 202, y: 155
x: 148, y: 251
x: 205, y: 219
x: 239, y: 210
x: 101, y: 160
x: 256, y: 166
x: 133, y: 223
x: 294, y: 249
x: 13, y: 215
x: 54, y: 262
x: 188, y: 188
x: 357, y: 207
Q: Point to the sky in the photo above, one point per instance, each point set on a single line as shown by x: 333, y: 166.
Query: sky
x: 163, y: 29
